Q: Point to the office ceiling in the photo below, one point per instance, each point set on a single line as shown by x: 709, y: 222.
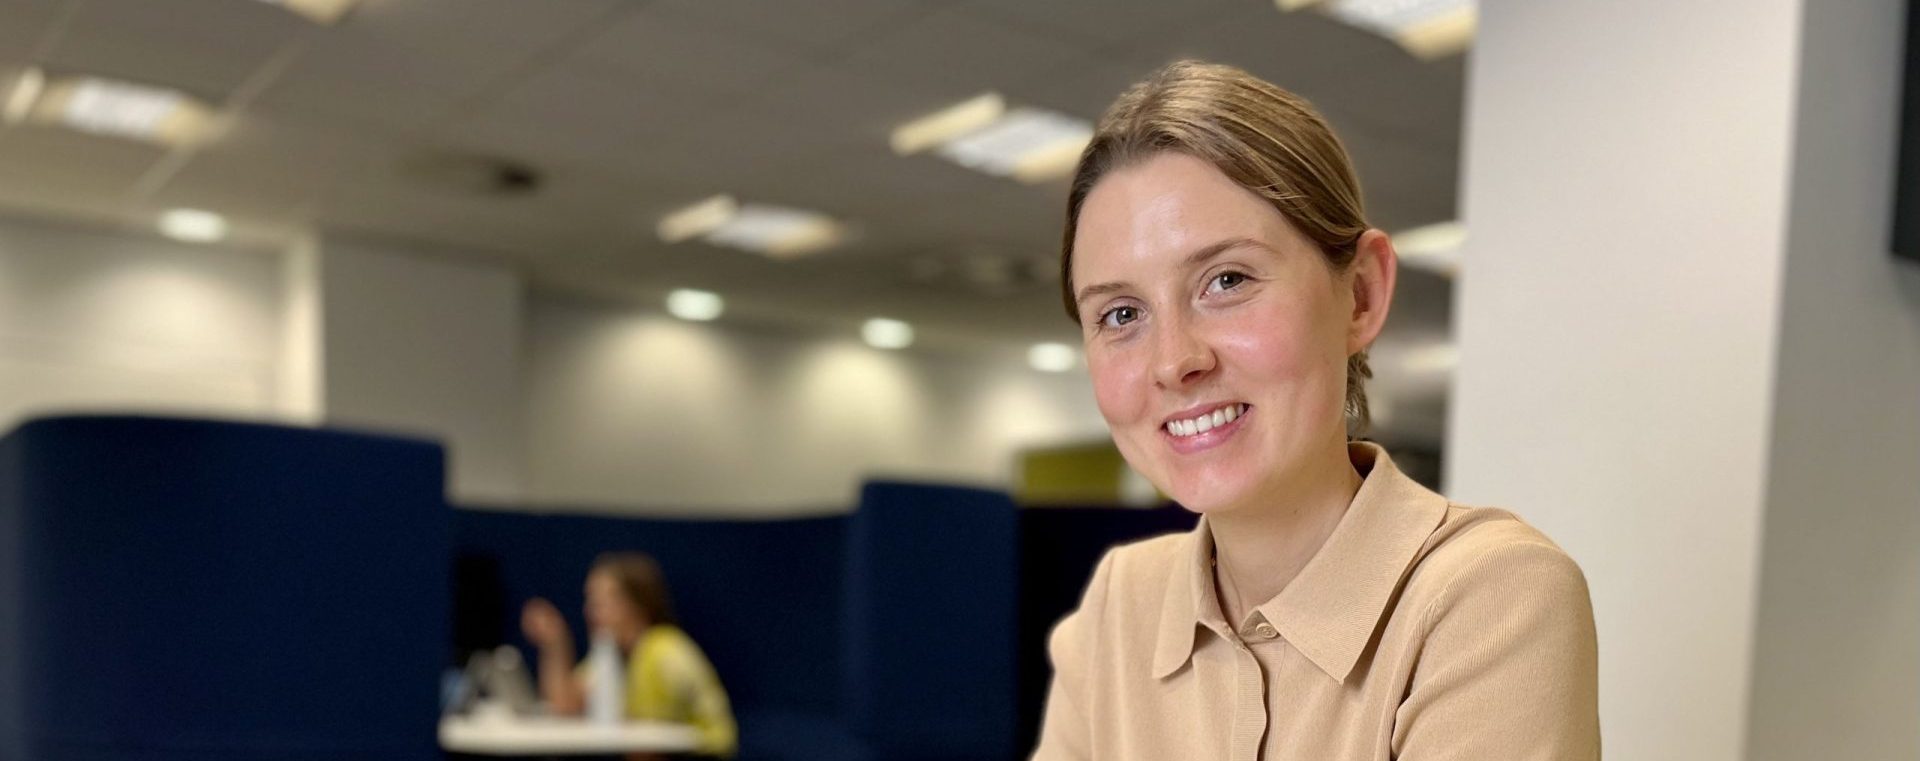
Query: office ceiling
x: 627, y: 109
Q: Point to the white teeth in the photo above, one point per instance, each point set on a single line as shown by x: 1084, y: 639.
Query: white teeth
x: 1207, y: 422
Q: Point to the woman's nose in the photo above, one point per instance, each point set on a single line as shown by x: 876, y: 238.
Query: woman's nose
x: 1180, y: 356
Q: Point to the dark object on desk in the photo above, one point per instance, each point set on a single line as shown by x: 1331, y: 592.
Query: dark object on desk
x: 185, y: 589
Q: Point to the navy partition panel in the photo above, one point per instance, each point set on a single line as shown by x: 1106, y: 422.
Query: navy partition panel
x: 931, y: 587
x: 1059, y: 548
x: 203, y: 590
x: 762, y: 598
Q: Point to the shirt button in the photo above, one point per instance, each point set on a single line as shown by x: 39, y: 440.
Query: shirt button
x: 1266, y: 631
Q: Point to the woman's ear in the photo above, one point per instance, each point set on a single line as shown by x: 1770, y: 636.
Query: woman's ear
x: 1372, y: 273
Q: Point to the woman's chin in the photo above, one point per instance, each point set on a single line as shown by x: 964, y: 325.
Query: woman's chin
x: 1207, y: 498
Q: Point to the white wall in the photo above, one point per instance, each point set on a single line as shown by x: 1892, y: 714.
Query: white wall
x: 431, y: 347
x: 93, y: 320
x: 1626, y: 179
x: 1837, y: 658
x: 567, y: 404
x: 1687, y: 354
x: 634, y: 411
x: 302, y: 364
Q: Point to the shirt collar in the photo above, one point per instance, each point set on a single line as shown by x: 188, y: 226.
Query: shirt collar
x: 1330, y: 610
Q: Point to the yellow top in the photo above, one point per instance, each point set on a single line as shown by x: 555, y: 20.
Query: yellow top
x: 670, y: 679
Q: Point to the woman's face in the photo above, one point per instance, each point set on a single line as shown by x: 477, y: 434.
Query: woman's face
x: 609, y: 610
x: 1217, y: 335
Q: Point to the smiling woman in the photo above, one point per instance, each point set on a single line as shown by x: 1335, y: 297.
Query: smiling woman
x: 1218, y: 260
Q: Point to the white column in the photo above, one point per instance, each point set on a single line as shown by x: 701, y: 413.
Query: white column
x: 1687, y: 355
x: 1837, y: 647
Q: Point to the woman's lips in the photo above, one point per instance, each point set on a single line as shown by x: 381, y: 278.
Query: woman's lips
x: 1185, y: 434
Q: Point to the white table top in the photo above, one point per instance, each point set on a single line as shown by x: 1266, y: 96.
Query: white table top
x: 545, y: 736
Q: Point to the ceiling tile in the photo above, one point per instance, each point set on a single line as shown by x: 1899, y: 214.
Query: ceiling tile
x: 191, y: 45
x: 819, y: 29
x: 702, y: 64
x: 1103, y: 23
x: 27, y: 24
x: 572, y: 115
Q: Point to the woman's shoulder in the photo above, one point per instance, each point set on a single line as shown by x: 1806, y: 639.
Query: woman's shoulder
x: 1134, y: 576
x: 666, y: 639
x: 1148, y: 560
x: 1480, y: 552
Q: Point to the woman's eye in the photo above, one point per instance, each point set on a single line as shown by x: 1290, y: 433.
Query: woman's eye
x: 1118, y: 317
x: 1225, y: 281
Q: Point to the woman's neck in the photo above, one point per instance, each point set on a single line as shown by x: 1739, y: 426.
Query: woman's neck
x: 1259, y: 549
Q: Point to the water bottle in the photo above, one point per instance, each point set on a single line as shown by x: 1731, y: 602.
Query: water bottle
x: 607, y: 686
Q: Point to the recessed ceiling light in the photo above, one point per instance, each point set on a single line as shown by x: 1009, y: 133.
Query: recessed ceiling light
x: 193, y: 225
x: 1028, y: 144
x: 1052, y: 357
x: 1425, y: 28
x: 774, y: 231
x: 883, y: 333
x: 26, y: 90
x: 698, y: 306
x: 318, y: 11
x: 1433, y: 247
x: 116, y: 109
x: 948, y: 123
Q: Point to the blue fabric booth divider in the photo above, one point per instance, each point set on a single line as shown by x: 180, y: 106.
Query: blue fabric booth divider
x: 932, y: 589
x: 885, y: 634
x: 181, y: 589
x: 762, y: 597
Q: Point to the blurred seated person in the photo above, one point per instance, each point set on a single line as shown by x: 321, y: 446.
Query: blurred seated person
x: 668, y: 677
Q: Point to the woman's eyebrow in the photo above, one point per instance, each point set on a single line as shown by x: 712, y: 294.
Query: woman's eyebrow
x: 1195, y: 259
x: 1216, y: 248
x: 1100, y: 289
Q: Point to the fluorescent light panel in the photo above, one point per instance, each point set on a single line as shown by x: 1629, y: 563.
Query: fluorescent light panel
x: 695, y: 305
x: 108, y: 107
x: 1052, y: 357
x: 697, y: 219
x: 775, y: 231
x: 1027, y: 144
x: 1434, y: 247
x: 948, y: 123
x: 193, y: 225
x: 883, y: 333
x: 26, y: 90
x: 1426, y: 28
x: 980, y: 133
x: 1432, y: 358
x: 317, y: 11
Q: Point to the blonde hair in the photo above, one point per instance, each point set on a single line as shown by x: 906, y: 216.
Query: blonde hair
x: 1265, y: 139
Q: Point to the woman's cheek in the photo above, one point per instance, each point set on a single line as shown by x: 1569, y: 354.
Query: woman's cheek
x: 1117, y: 388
